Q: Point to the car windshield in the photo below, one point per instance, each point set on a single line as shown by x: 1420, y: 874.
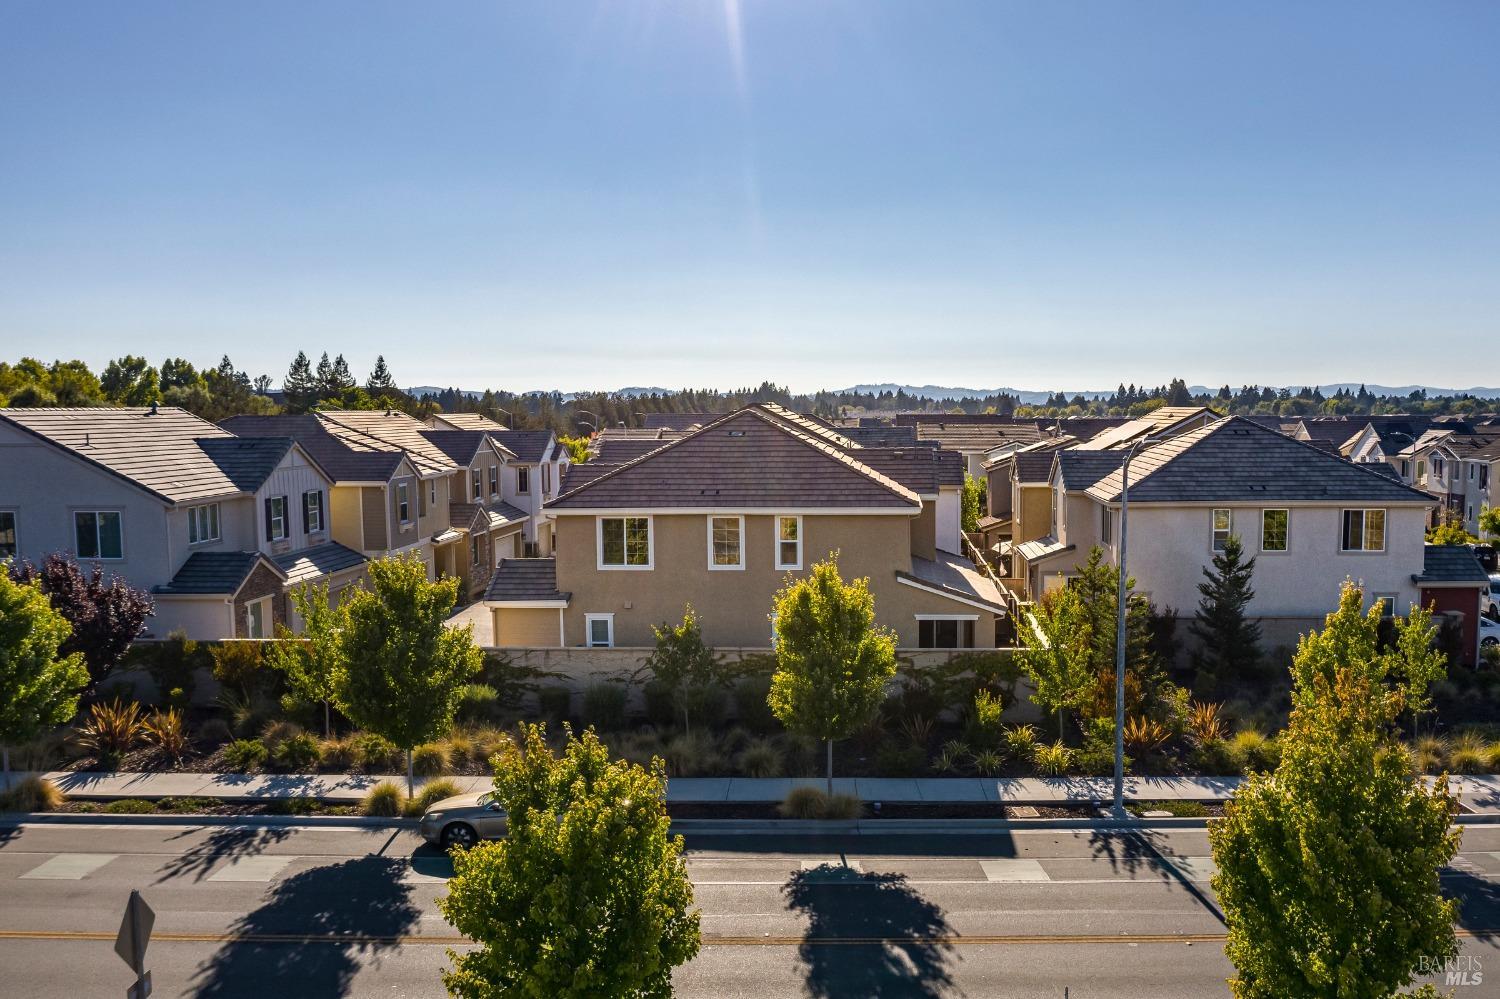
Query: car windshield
x: 1495, y: 586
x: 486, y: 798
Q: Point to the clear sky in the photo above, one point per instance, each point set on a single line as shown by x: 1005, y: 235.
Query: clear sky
x: 713, y: 193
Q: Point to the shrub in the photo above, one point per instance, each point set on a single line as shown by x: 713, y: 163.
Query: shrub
x: 691, y: 754
x: 460, y: 749
x: 186, y: 806
x: 639, y: 747
x: 337, y: 754
x: 917, y: 729
x: 374, y: 752
x: 246, y: 714
x: 761, y: 758
x: 478, y: 702
x: 988, y: 762
x: 1492, y: 757
x: 298, y: 752
x: 1213, y: 757
x: 1020, y: 740
x: 1467, y: 755
x: 984, y: 720
x: 604, y: 706
x: 815, y: 803
x: 165, y: 731
x: 751, y: 706
x: 487, y: 742
x: 245, y: 755
x: 1052, y: 760
x: 1206, y: 721
x: 292, y: 806
x: 1179, y: 809
x: 707, y: 704
x: 1142, y: 735
x: 1252, y: 750
x: 734, y: 740
x: 112, y: 730
x: 661, y: 704
x: 385, y: 800
x: 895, y: 760
x: 277, y: 732
x: 803, y: 753
x: 429, y: 759
x: 432, y: 792
x: 842, y: 807
x: 555, y: 702
x: 129, y: 806
x: 32, y: 794
x: 950, y: 760
x: 214, y: 732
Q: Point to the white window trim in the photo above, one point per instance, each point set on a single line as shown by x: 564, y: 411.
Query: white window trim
x: 1365, y: 511
x: 650, y: 543
x: 432, y: 493
x: 404, y: 487
x: 588, y: 630
x: 1212, y: 530
x: 494, y: 480
x: 15, y: 520
x: 776, y: 540
x: 73, y: 523
x: 974, y: 618
x: 286, y: 527
x: 523, y: 480
x: 476, y: 479
x: 946, y: 617
x: 307, y: 512
x: 740, y: 521
x: 216, y: 525
x: 265, y: 617
x: 1288, y: 548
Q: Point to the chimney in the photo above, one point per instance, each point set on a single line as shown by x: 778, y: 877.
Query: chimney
x: 153, y: 410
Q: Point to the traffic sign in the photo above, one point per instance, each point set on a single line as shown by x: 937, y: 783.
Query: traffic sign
x: 135, y: 934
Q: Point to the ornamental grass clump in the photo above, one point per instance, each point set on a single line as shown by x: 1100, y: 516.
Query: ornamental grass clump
x: 384, y: 800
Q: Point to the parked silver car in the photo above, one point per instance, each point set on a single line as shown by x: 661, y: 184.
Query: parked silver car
x: 1490, y: 600
x: 463, y: 820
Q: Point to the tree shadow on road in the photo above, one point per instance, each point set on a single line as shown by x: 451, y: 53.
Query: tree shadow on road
x: 1478, y: 902
x: 1137, y: 851
x: 331, y: 919
x: 870, y: 935
x: 224, y: 842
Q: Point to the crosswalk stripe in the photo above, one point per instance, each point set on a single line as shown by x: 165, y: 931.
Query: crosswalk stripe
x: 69, y: 866
x: 260, y: 867
x: 1013, y: 870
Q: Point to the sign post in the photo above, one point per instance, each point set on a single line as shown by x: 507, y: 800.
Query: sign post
x: 135, y: 933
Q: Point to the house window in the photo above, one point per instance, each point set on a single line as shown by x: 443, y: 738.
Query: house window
x: 276, y: 526
x: 788, y: 542
x: 1421, y: 471
x: 312, y: 511
x: 7, y: 534
x: 478, y: 480
x: 546, y: 479
x: 945, y: 632
x: 625, y: 542
x: 523, y: 479
x: 1406, y: 469
x: 494, y: 480
x: 1106, y: 526
x: 1471, y: 471
x: 97, y: 534
x: 403, y: 503
x: 1223, y: 523
x: 600, y: 629
x: 725, y: 537
x: 473, y: 550
x: 257, y: 618
x: 1387, y: 602
x: 1469, y: 512
x: 432, y: 493
x: 1364, y: 531
x: 1437, y: 466
x: 203, y: 523
x: 1273, y: 530
x: 1484, y: 476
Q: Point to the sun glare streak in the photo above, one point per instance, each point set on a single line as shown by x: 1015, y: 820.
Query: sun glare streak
x: 735, y: 35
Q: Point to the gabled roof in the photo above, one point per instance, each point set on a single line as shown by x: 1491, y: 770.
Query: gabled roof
x: 618, y: 450
x: 392, y: 429
x: 1237, y: 461
x: 1451, y: 564
x: 213, y: 573
x: 462, y: 446
x: 308, y: 564
x: 679, y: 421
x: 157, y: 451
x: 502, y: 514
x: 923, y: 470
x: 247, y: 461
x: 755, y: 458
x: 977, y: 436
x: 1159, y: 421
x: 529, y: 446
x: 351, y: 459
x: 1034, y: 466
x: 526, y: 580
x: 464, y: 421
x: 812, y: 425
x: 1077, y: 470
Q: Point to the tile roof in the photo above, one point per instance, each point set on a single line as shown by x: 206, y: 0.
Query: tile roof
x: 1450, y: 564
x: 158, y: 451
x: 1078, y: 470
x: 812, y: 425
x: 923, y: 470
x: 1234, y: 460
x: 462, y: 516
x: 755, y: 458
x: 978, y: 436
x: 461, y: 446
x: 1034, y: 466
x: 247, y: 461
x: 463, y: 421
x: 956, y: 575
x: 388, y: 428
x: 502, y: 514
x: 883, y: 436
x: 617, y: 450
x: 529, y: 446
x: 679, y: 421
x: 310, y: 564
x: 213, y: 573
x: 1035, y: 551
x: 344, y: 459
x: 526, y: 580
x: 1159, y: 420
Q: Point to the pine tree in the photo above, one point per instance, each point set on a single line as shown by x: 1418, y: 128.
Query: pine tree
x: 342, y: 378
x: 1229, y: 642
x: 380, y: 381
x: 326, y: 380
x: 300, y: 387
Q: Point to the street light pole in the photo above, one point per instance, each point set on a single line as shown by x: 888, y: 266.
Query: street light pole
x: 1119, y: 809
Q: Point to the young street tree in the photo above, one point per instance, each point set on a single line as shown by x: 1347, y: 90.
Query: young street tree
x: 39, y: 683
x: 832, y: 660
x: 587, y: 895
x: 406, y: 668
x: 1328, y: 867
x: 682, y: 662
x: 1055, y: 653
x: 1229, y: 642
x: 313, y: 663
x: 105, y: 617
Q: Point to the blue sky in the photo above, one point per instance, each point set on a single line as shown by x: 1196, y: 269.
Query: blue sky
x: 816, y: 192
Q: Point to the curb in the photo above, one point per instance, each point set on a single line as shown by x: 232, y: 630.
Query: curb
x: 11, y: 819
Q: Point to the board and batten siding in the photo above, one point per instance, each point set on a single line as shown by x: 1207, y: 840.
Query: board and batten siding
x: 293, y: 477
x: 373, y: 516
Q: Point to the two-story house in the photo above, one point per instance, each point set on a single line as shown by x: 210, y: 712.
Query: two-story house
x: 721, y: 516
x: 217, y: 527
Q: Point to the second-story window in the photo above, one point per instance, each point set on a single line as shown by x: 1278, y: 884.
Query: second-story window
x: 473, y: 550
x: 312, y: 511
x: 788, y: 542
x: 477, y: 478
x: 203, y: 523
x: 1106, y: 526
x: 432, y: 493
x: 403, y: 503
x: 546, y: 480
x: 625, y: 542
x: 1273, y: 530
x: 8, y: 545
x: 494, y: 480
x: 725, y: 542
x: 1223, y: 523
x: 97, y: 534
x: 1364, y: 531
x: 276, y: 525
x: 1437, y: 466
x: 523, y: 479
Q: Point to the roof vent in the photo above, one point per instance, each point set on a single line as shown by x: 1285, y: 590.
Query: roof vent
x: 708, y: 492
x: 152, y: 411
x: 736, y: 433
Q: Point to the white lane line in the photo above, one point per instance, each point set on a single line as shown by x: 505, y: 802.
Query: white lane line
x: 69, y: 866
x: 1194, y: 868
x: 815, y: 865
x: 260, y: 867
x: 1013, y: 870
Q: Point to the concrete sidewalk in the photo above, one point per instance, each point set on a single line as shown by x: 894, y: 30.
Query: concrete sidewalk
x: 1479, y: 794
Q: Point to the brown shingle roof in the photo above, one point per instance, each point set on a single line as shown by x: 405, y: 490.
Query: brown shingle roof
x: 464, y: 421
x: 390, y: 429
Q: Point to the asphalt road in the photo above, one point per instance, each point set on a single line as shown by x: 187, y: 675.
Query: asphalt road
x: 281, y: 913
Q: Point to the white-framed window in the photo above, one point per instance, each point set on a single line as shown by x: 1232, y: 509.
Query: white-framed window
x: 1364, y: 531
x: 312, y: 511
x: 477, y: 478
x: 946, y: 631
x: 1388, y: 602
x: 258, y: 618
x: 625, y: 542
x: 788, y: 542
x: 1437, y: 466
x: 1275, y: 530
x: 277, y: 528
x: 432, y: 493
x: 494, y: 480
x: 523, y: 479
x: 546, y: 480
x: 600, y: 630
x: 1406, y: 469
x: 473, y: 550
x: 403, y: 503
x: 98, y: 534
x: 203, y: 523
x: 8, y: 543
x: 726, y: 542
x: 1106, y: 526
x: 1223, y: 526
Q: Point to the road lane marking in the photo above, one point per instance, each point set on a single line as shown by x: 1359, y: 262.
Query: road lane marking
x: 260, y: 867
x: 69, y: 866
x: 1013, y: 870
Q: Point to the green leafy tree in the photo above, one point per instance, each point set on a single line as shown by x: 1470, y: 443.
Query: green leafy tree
x: 1147, y: 690
x: 969, y: 509
x: 130, y: 381
x: 683, y: 662
x: 1328, y: 868
x: 105, y: 615
x: 406, y: 668
x: 313, y: 663
x: 1450, y: 530
x: 587, y: 895
x: 1056, y: 649
x: 39, y: 685
x: 1489, y: 522
x: 832, y: 660
x: 578, y: 448
x: 1228, y: 641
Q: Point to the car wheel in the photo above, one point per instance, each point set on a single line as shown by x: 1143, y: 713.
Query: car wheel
x: 1491, y: 641
x: 459, y: 836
